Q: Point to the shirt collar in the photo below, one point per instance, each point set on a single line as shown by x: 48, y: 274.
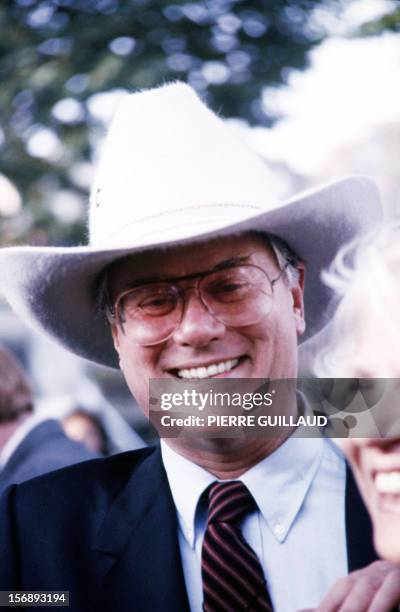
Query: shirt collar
x: 279, y: 484
x: 187, y: 482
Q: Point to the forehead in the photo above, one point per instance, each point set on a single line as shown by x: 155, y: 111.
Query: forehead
x: 189, y: 259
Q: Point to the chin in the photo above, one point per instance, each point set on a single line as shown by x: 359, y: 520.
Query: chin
x: 385, y: 514
x: 387, y: 542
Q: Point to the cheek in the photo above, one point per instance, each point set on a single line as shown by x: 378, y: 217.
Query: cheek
x: 281, y: 331
x: 274, y: 344
x: 278, y: 328
x: 137, y: 366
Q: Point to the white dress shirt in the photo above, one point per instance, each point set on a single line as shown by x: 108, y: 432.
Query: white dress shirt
x: 298, y: 532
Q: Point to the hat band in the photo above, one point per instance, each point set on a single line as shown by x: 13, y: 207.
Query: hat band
x: 173, y: 225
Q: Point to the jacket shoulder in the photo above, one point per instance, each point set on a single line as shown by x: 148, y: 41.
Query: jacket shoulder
x: 115, y: 468
x: 82, y: 487
x: 46, y: 448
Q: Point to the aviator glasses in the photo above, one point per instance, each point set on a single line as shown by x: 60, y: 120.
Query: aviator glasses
x: 237, y: 295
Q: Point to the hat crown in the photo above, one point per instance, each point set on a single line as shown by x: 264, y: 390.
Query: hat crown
x: 165, y: 154
x: 173, y: 172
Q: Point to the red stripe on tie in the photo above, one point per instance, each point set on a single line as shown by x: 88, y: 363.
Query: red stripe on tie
x: 237, y: 500
x: 213, y: 595
x: 242, y: 559
x: 229, y: 570
x: 233, y: 579
x: 234, y: 592
x: 221, y: 491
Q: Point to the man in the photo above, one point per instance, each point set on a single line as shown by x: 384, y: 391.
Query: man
x: 190, y: 265
x: 30, y: 444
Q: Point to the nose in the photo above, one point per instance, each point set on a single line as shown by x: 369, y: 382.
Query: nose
x: 198, y: 326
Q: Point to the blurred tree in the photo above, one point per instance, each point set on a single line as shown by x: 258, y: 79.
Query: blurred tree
x: 59, y: 59
x: 389, y: 22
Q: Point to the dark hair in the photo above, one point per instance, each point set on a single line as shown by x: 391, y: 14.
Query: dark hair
x: 15, y: 390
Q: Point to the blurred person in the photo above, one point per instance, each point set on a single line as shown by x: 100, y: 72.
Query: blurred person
x: 363, y: 344
x: 199, y: 272
x: 86, y: 395
x: 361, y: 341
x: 30, y: 444
x: 86, y: 428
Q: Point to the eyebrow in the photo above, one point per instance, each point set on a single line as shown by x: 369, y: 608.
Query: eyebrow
x: 221, y: 265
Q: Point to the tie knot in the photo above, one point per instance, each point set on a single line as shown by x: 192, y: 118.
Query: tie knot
x: 229, y: 502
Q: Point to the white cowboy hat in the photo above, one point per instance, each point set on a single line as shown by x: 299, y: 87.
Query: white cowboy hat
x: 173, y: 172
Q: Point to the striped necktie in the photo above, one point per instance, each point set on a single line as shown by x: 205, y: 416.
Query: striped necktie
x: 233, y: 580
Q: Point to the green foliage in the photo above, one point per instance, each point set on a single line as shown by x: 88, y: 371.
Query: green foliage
x: 390, y: 22
x: 70, y: 50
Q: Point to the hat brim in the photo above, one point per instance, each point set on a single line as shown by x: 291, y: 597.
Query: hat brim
x: 54, y: 288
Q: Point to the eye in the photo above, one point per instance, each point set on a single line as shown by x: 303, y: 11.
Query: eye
x: 228, y: 289
x: 157, y: 303
x: 149, y: 301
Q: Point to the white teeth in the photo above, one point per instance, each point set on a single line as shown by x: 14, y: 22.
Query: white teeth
x: 388, y: 482
x: 211, y: 370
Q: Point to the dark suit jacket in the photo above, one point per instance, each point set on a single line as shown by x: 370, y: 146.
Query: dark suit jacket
x: 45, y: 448
x: 107, y: 532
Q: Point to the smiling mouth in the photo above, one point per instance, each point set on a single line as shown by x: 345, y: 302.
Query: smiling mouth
x: 387, y: 485
x: 214, y: 369
x: 388, y: 482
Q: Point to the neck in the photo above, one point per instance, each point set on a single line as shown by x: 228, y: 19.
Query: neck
x: 226, y: 458
x: 229, y: 458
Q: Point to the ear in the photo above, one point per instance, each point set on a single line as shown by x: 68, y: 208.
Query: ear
x: 297, y: 292
x: 115, y: 336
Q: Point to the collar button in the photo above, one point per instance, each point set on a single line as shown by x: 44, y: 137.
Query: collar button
x: 279, y: 530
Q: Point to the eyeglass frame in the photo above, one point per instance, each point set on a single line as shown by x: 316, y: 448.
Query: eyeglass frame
x: 235, y: 262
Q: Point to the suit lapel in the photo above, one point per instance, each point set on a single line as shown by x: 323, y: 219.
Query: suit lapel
x: 360, y: 549
x: 138, y: 557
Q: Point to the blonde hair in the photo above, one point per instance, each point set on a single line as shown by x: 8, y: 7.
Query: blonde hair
x: 366, y: 276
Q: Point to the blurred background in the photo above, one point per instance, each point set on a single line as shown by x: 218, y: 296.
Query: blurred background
x: 313, y: 85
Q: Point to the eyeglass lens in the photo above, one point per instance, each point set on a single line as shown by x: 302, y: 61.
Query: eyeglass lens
x: 237, y: 296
